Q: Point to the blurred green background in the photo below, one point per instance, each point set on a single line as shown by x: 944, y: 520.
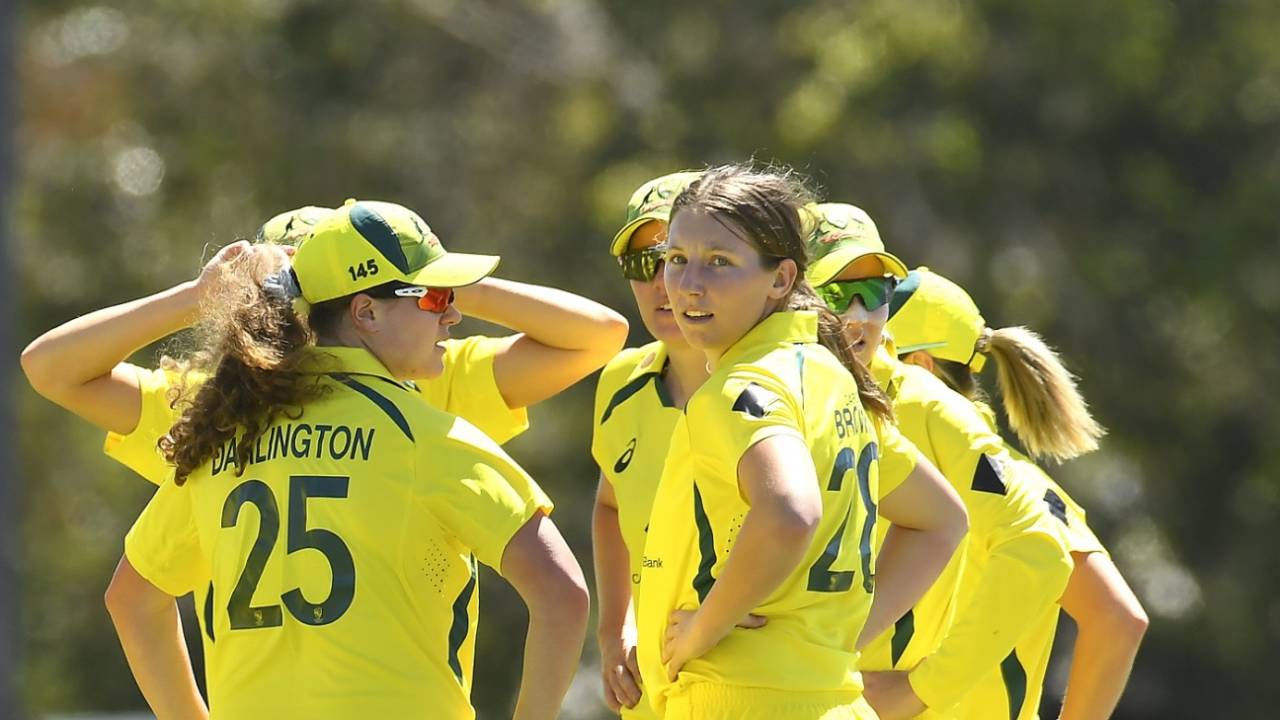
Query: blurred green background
x: 1106, y: 172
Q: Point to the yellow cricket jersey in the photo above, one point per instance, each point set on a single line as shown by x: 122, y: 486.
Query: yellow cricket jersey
x: 1014, y: 689
x: 633, y: 420
x: 343, y: 559
x: 466, y: 388
x: 949, y: 641
x: 775, y: 381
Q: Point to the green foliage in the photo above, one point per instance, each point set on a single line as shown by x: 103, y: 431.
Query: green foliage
x: 1105, y: 172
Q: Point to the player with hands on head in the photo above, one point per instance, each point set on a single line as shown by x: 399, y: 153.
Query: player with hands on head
x: 300, y: 404
x: 560, y: 338
x: 771, y: 485
x: 938, y: 327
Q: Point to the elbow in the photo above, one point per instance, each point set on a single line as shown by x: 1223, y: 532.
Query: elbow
x: 611, y: 335
x: 956, y: 524
x: 796, y: 523
x: 566, y: 604
x: 559, y: 596
x: 117, y: 600
x: 1130, y: 625
x: 36, y: 367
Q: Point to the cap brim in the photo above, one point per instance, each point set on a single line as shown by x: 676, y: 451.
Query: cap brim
x: 623, y: 238
x: 904, y: 349
x: 456, y: 270
x: 830, y: 265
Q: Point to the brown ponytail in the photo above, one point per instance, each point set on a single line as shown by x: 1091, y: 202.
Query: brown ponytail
x: 831, y: 335
x: 1040, y: 396
x: 766, y: 206
x: 250, y: 359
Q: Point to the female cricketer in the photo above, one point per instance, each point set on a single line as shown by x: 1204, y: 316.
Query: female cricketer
x: 769, y: 494
x: 638, y: 399
x: 938, y: 327
x: 945, y: 642
x: 298, y: 419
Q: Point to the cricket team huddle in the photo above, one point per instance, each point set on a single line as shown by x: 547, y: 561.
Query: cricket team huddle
x: 805, y: 507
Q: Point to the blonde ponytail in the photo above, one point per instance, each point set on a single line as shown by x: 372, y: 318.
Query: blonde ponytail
x: 1040, y: 397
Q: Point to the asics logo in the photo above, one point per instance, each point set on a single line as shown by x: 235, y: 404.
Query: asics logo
x: 626, y: 456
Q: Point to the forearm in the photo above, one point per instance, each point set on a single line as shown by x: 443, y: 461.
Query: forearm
x: 91, y: 345
x: 769, y: 547
x: 552, y: 648
x: 613, y: 575
x: 908, y: 564
x: 153, y: 645
x: 1100, y: 669
x: 552, y: 317
x: 986, y: 629
x: 1111, y: 623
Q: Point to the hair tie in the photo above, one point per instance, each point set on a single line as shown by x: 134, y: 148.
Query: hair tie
x: 283, y: 284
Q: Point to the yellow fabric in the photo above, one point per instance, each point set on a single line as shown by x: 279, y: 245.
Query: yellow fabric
x: 467, y: 388
x: 1013, y: 542
x: 711, y: 701
x: 368, y: 514
x: 369, y: 243
x: 991, y: 696
x: 651, y: 201
x: 775, y: 381
x: 138, y: 450
x: 290, y: 228
x: 633, y: 420
x: 929, y: 312
x: 839, y: 235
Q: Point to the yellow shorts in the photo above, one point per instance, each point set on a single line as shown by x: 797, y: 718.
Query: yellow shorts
x: 713, y: 701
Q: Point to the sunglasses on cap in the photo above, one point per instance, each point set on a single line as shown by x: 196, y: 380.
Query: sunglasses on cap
x: 874, y: 291
x: 641, y: 265
x: 435, y: 300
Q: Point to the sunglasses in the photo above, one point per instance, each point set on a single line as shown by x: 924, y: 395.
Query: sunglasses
x: 874, y: 292
x: 641, y: 265
x: 435, y: 300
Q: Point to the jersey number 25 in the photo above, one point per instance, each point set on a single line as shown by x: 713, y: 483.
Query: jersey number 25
x: 240, y: 610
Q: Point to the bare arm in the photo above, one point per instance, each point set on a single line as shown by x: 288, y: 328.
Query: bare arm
x: 540, y: 566
x: 80, y: 364
x: 563, y: 337
x: 616, y: 633
x: 1111, y: 624
x: 779, y: 482
x: 929, y: 521
x: 146, y: 620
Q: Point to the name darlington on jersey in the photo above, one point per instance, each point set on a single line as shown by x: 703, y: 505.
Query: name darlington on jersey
x: 300, y: 440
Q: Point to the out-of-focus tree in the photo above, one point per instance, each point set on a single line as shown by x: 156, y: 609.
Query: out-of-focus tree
x: 1105, y: 172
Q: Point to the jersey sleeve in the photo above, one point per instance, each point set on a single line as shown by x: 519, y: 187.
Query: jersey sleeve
x: 1027, y: 568
x: 164, y: 545
x: 138, y: 450
x: 1079, y: 536
x: 606, y: 386
x: 898, y: 457
x: 752, y: 405
x: 468, y: 388
x: 479, y: 493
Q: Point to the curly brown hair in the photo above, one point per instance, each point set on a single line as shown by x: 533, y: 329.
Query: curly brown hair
x: 247, y: 371
x: 766, y: 206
